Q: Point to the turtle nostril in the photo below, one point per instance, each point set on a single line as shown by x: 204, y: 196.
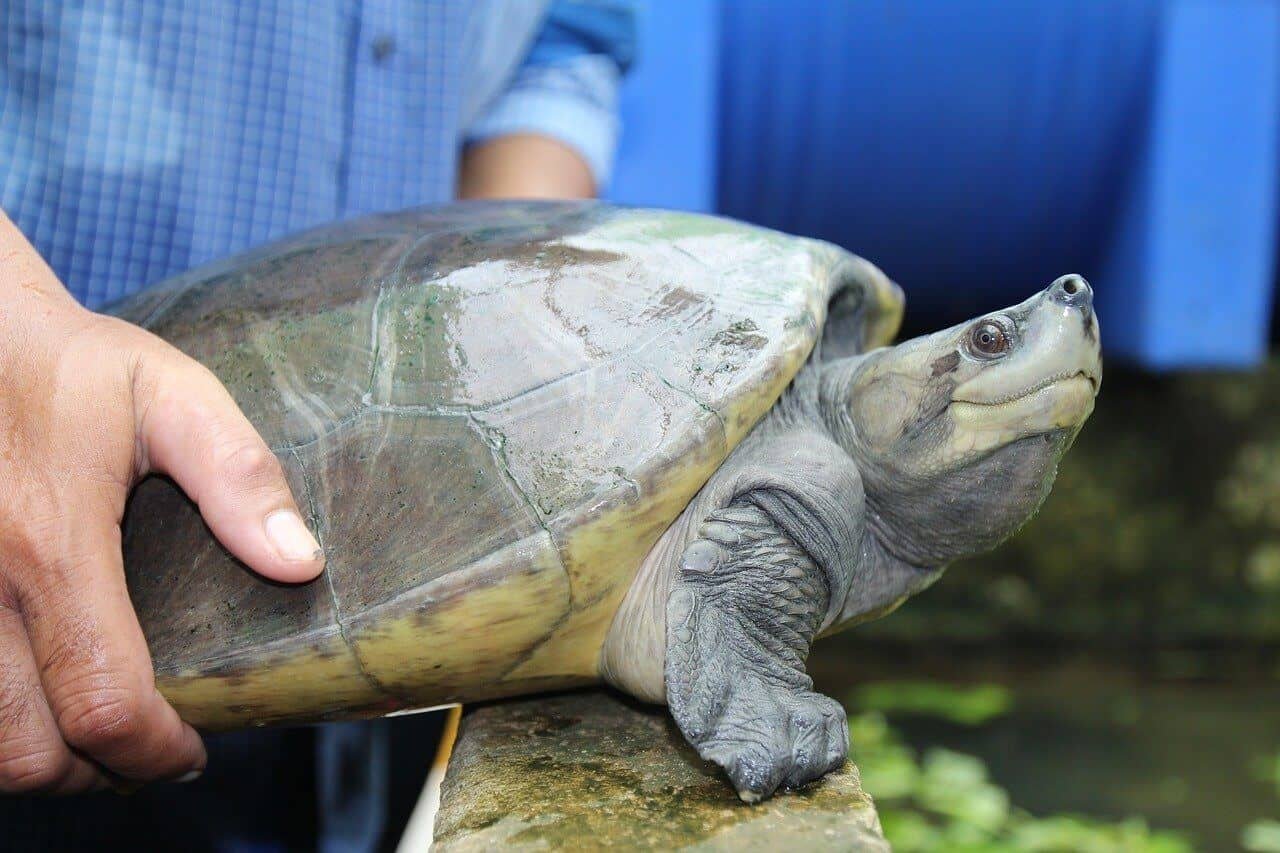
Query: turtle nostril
x: 1072, y: 290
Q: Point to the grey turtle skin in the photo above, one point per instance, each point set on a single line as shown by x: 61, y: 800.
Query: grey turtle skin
x: 869, y: 476
x: 546, y: 445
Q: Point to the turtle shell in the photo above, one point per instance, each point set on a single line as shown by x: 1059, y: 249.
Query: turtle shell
x: 490, y: 412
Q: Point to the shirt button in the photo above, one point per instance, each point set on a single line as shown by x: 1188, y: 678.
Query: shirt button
x: 382, y: 47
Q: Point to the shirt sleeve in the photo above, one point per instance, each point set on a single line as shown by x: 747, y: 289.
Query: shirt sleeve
x: 567, y: 86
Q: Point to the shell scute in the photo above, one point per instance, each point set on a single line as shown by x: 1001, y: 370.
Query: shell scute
x: 404, y: 499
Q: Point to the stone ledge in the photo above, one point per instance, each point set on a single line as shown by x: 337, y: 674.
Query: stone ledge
x: 592, y: 769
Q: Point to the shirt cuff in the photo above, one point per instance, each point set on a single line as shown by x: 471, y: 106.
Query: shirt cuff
x: 574, y: 101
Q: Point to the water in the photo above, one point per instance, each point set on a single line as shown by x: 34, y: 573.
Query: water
x: 1095, y: 736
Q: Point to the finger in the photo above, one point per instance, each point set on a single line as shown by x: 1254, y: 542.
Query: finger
x: 94, y: 665
x: 33, y: 756
x: 193, y: 431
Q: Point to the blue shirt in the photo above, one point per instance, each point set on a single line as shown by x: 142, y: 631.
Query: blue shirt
x: 141, y: 138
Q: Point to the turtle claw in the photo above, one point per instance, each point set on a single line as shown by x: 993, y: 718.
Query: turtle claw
x: 789, y: 750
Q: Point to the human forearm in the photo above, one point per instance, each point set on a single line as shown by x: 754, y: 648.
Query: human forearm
x: 524, y: 165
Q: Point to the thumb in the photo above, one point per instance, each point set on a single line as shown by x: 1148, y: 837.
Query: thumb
x: 191, y: 429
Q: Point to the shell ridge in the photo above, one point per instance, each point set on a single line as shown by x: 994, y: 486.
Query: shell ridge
x: 375, y: 340
x: 395, y: 276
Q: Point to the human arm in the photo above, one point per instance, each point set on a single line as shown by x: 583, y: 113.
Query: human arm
x: 552, y: 131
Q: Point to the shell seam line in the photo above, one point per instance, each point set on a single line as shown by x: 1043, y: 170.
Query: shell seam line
x: 499, y: 451
x: 525, y: 656
x: 589, y: 603
x: 464, y: 410
x: 500, y: 455
x: 724, y: 430
x: 373, y: 682
x: 375, y: 345
x: 374, y: 409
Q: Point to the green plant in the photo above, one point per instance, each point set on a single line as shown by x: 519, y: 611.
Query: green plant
x: 946, y: 801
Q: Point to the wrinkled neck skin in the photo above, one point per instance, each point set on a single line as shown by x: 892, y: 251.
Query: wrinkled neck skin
x: 884, y: 575
x: 919, y: 521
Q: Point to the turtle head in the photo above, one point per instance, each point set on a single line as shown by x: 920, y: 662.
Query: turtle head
x: 958, y: 434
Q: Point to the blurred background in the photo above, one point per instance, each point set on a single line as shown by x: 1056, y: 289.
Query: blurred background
x: 1111, y: 678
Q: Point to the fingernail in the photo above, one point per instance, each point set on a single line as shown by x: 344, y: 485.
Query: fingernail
x: 189, y: 777
x: 290, y: 537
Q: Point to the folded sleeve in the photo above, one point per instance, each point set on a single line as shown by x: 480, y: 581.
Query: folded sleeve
x: 567, y: 86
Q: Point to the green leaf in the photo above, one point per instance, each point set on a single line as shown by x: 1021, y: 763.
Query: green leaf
x: 968, y: 706
x: 1261, y: 836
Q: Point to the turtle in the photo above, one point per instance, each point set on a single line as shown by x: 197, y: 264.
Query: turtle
x: 552, y: 444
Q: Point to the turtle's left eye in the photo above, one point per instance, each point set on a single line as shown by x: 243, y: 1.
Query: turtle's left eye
x: 988, y: 339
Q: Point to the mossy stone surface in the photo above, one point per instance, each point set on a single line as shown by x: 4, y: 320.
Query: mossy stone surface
x: 591, y: 770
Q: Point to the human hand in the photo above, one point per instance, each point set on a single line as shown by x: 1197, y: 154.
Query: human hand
x: 88, y: 405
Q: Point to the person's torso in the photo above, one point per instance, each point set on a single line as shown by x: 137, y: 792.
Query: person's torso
x: 141, y: 138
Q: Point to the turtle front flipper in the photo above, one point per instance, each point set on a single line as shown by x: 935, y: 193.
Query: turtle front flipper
x: 762, y: 578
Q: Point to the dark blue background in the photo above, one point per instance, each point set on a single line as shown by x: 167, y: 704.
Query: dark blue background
x: 977, y: 150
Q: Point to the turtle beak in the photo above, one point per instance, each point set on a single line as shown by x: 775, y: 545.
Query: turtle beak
x: 1072, y: 292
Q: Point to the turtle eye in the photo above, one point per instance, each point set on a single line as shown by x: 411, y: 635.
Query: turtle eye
x: 988, y: 339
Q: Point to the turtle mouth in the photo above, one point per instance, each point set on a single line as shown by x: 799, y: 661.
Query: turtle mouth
x: 1064, y: 378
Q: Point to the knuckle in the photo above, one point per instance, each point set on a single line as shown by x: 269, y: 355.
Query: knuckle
x: 32, y: 525
x: 32, y: 770
x: 44, y: 549
x: 74, y: 655
x: 56, y: 580
x: 251, y: 465
x: 17, y: 710
x: 10, y: 595
x: 102, y: 720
